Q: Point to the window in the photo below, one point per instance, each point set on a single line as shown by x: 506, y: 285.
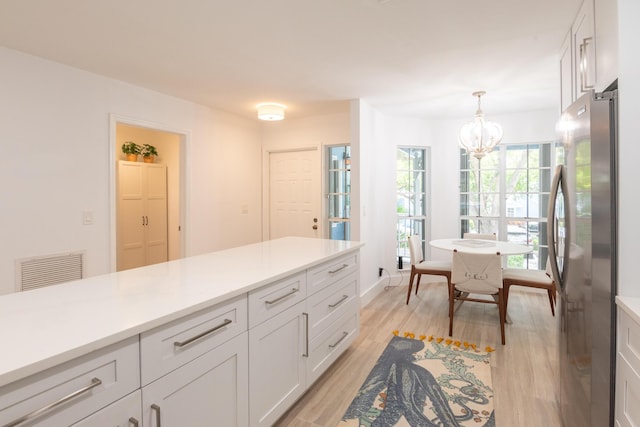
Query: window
x: 507, y: 193
x: 411, y: 205
x: 339, y: 192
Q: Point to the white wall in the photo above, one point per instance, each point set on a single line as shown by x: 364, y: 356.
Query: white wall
x: 629, y: 148
x: 54, y: 128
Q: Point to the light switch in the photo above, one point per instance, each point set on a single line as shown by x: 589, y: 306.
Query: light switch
x: 87, y: 217
x: 244, y: 209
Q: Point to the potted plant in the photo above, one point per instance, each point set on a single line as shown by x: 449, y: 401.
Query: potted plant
x: 148, y: 153
x: 131, y: 149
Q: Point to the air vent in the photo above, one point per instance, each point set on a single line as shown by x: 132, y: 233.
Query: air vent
x: 38, y: 272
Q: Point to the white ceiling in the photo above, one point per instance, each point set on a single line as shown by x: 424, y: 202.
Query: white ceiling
x: 419, y: 58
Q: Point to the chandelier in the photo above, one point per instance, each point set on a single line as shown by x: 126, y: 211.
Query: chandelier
x: 480, y: 136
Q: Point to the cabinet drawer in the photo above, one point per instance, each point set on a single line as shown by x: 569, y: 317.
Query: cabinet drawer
x: 275, y: 298
x: 331, y: 343
x: 325, y: 274
x: 326, y: 305
x: 629, y: 340
x: 95, y: 380
x: 170, y: 346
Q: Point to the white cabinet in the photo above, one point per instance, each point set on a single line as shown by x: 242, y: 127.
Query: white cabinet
x: 195, y: 370
x: 278, y: 348
x: 606, y: 34
x: 584, y: 52
x: 70, y: 392
x: 627, y: 412
x: 141, y: 214
x: 211, y: 390
x: 589, y: 58
x: 298, y: 327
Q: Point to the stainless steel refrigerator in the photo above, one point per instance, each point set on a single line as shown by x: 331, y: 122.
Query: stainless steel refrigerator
x: 582, y: 251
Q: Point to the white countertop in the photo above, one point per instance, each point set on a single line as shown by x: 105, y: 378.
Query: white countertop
x: 45, y: 327
x: 631, y: 306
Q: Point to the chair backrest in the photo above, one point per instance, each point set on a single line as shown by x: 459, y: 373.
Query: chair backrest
x: 483, y: 236
x: 476, y: 273
x: 415, y: 249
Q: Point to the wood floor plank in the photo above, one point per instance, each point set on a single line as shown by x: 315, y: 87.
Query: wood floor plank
x: 523, y: 371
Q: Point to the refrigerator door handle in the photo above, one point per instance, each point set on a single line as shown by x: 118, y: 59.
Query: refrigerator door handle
x: 558, y: 185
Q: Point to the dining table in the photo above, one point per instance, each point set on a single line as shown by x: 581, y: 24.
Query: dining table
x: 479, y: 246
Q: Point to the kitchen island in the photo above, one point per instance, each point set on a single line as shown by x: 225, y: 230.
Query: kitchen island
x: 157, y: 320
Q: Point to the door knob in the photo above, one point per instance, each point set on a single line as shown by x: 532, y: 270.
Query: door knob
x: 315, y: 227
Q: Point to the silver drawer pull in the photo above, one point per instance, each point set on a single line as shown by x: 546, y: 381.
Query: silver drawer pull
x: 156, y: 408
x: 95, y: 382
x: 134, y: 422
x: 293, y: 291
x: 339, y: 268
x: 205, y: 333
x: 334, y: 305
x: 306, y: 334
x: 334, y: 345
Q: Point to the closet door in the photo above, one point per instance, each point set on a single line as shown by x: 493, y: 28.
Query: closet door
x: 156, y: 214
x: 142, y: 214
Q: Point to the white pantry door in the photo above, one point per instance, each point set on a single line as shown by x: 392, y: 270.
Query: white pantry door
x: 294, y: 194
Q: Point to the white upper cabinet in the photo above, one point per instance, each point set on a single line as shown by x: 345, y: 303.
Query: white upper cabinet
x: 606, y: 33
x: 589, y: 54
x: 584, y: 50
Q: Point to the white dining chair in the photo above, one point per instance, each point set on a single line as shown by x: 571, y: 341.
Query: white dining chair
x: 419, y: 266
x: 477, y: 274
x: 532, y: 278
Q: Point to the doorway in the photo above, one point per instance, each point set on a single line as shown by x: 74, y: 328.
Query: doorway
x: 170, y: 145
x: 294, y: 194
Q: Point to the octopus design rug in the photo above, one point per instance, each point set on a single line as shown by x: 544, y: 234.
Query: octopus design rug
x: 425, y: 382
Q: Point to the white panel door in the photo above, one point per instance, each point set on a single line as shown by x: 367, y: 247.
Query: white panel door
x: 294, y: 194
x: 141, y: 214
x: 156, y: 214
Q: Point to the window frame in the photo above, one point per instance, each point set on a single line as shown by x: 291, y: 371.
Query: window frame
x: 416, y: 224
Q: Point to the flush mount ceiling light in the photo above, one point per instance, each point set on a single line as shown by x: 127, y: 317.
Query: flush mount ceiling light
x: 480, y: 136
x: 270, y: 111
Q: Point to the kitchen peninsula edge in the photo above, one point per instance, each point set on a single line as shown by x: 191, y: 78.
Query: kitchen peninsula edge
x: 50, y: 326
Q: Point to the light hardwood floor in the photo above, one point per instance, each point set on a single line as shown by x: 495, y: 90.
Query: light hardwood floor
x: 523, y: 371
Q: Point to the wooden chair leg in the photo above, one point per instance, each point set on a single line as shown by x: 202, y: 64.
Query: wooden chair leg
x: 451, y: 301
x: 418, y: 283
x: 410, y: 286
x: 551, y: 302
x: 502, y: 310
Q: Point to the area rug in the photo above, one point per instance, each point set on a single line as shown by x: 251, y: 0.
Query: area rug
x: 425, y: 381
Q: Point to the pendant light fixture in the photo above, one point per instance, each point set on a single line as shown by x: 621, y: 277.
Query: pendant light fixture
x: 480, y: 136
x: 270, y: 111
